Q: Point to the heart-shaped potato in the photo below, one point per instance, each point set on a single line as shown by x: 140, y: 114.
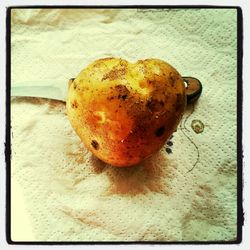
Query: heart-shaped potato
x: 125, y: 112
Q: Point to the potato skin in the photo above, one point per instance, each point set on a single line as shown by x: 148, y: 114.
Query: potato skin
x: 125, y: 112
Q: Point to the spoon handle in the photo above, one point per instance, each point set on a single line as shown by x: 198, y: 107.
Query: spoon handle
x: 193, y: 88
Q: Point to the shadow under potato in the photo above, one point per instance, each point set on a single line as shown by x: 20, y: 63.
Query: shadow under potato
x: 151, y: 175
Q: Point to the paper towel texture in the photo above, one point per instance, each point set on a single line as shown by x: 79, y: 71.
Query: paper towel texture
x: 72, y: 196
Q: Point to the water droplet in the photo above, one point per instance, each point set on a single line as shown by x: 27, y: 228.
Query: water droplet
x: 197, y: 126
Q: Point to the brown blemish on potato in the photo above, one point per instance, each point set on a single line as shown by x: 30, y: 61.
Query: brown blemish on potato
x: 160, y: 131
x: 154, y: 105
x: 115, y: 73
x: 95, y: 144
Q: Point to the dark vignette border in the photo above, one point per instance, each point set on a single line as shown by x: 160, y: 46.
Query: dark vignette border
x: 240, y: 213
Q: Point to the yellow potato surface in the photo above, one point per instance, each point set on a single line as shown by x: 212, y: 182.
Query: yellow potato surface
x: 124, y: 112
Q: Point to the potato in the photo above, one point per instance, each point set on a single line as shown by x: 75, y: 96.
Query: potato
x: 124, y: 112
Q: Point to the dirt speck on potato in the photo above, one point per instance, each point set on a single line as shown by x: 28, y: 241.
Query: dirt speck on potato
x: 95, y: 144
x: 74, y: 104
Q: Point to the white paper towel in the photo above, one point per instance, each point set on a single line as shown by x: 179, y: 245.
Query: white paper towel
x: 72, y: 196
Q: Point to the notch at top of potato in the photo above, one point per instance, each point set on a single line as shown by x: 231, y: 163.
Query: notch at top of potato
x: 124, y: 112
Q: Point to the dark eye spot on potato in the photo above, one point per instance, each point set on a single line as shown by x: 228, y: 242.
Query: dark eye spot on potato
x: 160, y: 131
x: 123, y: 92
x: 74, y: 104
x: 95, y: 144
x: 123, y: 97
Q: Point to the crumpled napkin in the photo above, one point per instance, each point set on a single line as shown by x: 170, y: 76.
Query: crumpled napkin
x: 185, y: 192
